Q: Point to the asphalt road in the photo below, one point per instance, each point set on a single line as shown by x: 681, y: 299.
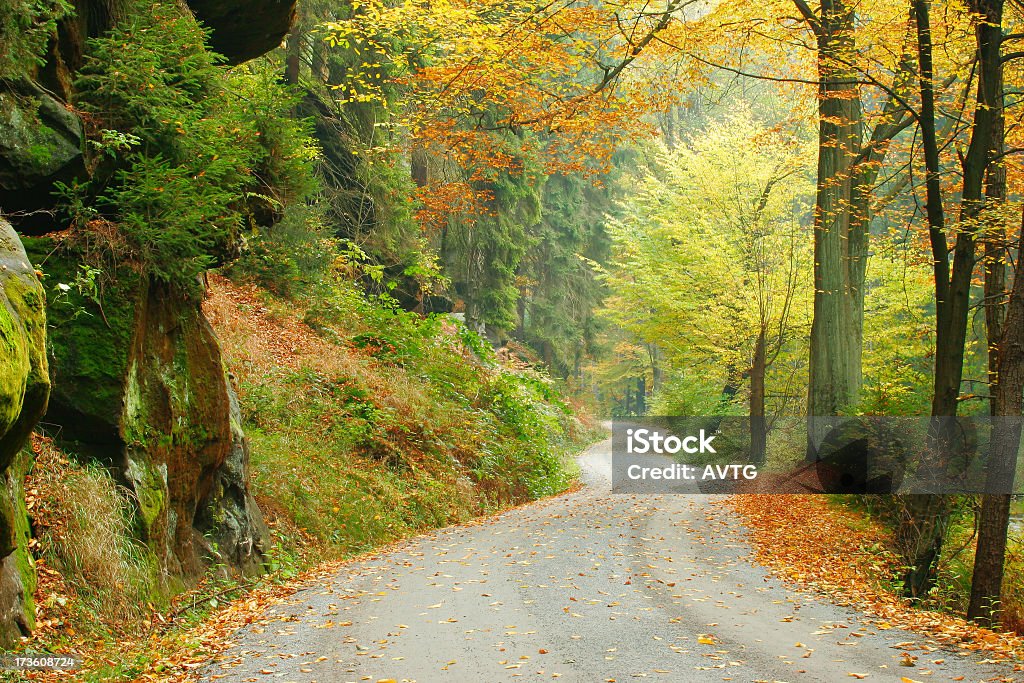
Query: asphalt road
x: 586, y: 587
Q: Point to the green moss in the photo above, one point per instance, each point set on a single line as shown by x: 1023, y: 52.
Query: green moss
x: 133, y: 423
x: 23, y: 533
x: 150, y: 488
x: 32, y: 146
x: 13, y: 369
x: 88, y: 343
x: 27, y: 300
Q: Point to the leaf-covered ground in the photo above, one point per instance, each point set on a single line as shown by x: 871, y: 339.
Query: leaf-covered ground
x: 811, y: 543
x: 588, y: 584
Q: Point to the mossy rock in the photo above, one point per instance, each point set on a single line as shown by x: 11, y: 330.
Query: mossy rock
x: 24, y: 391
x: 140, y: 386
x: 40, y: 142
x: 88, y: 344
x: 177, y: 430
x: 24, y: 377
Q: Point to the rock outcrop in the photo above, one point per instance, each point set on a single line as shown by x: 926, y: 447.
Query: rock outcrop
x: 244, y: 29
x: 40, y: 143
x: 184, y: 454
x: 140, y: 385
x: 24, y: 391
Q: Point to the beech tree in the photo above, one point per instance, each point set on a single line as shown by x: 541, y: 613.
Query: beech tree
x: 712, y: 261
x: 848, y: 166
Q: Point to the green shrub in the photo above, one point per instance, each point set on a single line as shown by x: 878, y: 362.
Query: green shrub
x: 290, y: 257
x: 26, y: 27
x: 410, y: 424
x: 187, y: 153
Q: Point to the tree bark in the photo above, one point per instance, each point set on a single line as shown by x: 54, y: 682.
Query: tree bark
x: 986, y: 583
x: 653, y: 353
x: 293, y: 57
x: 1008, y: 402
x: 847, y: 173
x: 922, y: 528
x: 835, y: 364
x: 865, y: 171
x: 951, y: 332
x: 922, y: 531
x: 641, y: 395
x: 758, y: 427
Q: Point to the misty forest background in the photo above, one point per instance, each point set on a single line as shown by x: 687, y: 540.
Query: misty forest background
x: 284, y: 283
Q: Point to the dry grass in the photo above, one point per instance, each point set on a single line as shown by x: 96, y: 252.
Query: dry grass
x: 84, y: 527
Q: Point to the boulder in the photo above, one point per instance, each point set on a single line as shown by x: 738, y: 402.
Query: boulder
x: 40, y: 143
x: 24, y: 391
x: 24, y: 377
x: 244, y: 29
x: 186, y: 457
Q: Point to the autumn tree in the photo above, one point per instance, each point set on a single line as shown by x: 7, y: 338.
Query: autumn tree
x: 848, y: 164
x: 711, y: 259
x: 924, y: 526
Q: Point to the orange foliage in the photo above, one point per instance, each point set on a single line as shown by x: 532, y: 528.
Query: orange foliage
x: 840, y: 559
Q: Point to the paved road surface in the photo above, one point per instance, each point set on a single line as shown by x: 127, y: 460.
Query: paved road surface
x: 587, y: 587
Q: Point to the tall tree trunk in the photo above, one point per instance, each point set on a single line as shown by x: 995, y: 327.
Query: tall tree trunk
x: 847, y: 173
x: 520, y: 332
x: 919, y: 537
x: 654, y: 355
x: 987, y: 579
x: 641, y: 395
x: 996, y: 251
x: 758, y: 426
x: 1007, y: 403
x: 923, y: 529
x: 994, y: 518
x: 835, y: 365
x: 869, y: 162
x: 951, y: 332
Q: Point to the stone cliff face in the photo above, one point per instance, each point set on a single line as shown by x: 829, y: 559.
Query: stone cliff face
x: 24, y: 391
x: 41, y: 140
x: 40, y: 143
x: 184, y: 454
x: 140, y: 385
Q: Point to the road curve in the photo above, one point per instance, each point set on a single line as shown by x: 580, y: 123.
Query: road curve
x: 586, y: 587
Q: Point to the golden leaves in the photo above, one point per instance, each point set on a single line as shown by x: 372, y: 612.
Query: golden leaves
x: 474, y: 75
x: 841, y: 560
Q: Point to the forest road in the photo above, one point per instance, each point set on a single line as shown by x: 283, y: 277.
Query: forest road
x: 585, y: 587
